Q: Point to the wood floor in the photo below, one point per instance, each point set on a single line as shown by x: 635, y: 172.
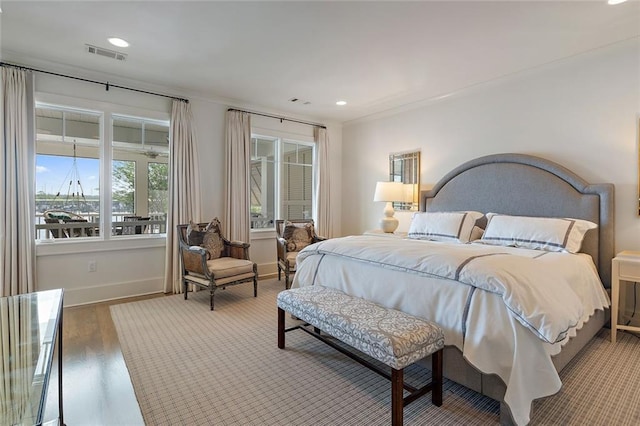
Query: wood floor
x: 97, y: 389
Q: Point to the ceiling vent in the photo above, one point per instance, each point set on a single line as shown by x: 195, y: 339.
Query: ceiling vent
x: 112, y: 54
x: 295, y: 100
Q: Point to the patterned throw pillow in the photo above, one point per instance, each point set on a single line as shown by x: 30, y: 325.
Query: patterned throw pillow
x: 298, y: 236
x: 212, y: 239
x: 195, y: 234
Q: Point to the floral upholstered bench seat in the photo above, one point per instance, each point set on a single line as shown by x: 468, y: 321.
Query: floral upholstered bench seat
x: 395, y: 338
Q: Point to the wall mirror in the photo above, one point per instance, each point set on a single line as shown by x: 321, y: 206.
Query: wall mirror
x: 405, y: 167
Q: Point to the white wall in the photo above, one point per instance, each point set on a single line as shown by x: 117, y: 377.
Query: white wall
x: 581, y: 112
x: 134, y: 267
x: 210, y: 121
x: 123, y: 267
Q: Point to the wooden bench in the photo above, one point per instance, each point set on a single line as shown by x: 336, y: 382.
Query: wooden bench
x: 392, y: 337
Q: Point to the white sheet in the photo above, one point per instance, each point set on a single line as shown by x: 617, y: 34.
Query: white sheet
x: 483, y: 318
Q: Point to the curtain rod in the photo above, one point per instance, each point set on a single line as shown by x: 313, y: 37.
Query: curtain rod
x: 107, y: 84
x: 279, y: 118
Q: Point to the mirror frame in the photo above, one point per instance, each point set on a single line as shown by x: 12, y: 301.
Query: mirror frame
x: 405, y: 167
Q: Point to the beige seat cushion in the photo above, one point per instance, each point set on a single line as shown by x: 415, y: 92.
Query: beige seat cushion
x: 229, y: 267
x: 291, y: 259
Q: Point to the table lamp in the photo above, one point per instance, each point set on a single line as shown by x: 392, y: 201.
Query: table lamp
x: 389, y: 192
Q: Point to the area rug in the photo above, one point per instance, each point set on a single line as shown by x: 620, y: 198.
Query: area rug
x: 189, y: 365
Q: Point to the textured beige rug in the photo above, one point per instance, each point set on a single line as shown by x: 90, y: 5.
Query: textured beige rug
x: 192, y: 366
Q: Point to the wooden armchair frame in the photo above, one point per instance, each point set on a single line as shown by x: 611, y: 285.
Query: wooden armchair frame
x: 284, y: 263
x: 199, y: 273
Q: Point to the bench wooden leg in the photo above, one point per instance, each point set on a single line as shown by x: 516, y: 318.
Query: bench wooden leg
x: 436, y: 378
x: 397, y: 401
x: 280, y: 328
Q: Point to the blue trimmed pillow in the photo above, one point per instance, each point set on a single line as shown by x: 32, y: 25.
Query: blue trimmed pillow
x: 538, y: 233
x: 443, y: 226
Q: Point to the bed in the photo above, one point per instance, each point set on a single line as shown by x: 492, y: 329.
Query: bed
x: 492, y: 347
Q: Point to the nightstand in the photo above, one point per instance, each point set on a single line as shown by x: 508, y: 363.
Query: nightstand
x: 625, y: 268
x: 381, y: 233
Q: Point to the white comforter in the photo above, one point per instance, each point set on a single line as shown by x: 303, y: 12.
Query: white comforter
x: 508, y: 310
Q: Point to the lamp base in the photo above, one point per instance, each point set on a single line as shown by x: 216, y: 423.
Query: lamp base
x: 389, y: 224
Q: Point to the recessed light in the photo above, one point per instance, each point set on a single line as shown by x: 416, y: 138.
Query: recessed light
x: 341, y: 103
x: 612, y: 2
x: 118, y: 42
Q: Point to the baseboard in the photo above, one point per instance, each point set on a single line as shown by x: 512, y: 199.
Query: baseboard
x: 267, y: 270
x: 102, y: 293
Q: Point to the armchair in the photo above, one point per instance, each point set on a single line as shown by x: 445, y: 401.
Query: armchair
x: 288, y: 249
x: 210, y: 261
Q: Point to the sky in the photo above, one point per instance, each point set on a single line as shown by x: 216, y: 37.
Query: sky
x: 53, y: 174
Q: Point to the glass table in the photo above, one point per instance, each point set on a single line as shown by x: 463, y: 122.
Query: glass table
x: 30, y: 328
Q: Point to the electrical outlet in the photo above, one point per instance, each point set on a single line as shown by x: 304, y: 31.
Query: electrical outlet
x: 93, y: 266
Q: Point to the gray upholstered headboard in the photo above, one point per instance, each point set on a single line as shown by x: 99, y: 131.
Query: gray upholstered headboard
x: 525, y: 185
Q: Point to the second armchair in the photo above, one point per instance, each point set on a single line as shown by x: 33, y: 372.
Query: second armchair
x: 292, y: 236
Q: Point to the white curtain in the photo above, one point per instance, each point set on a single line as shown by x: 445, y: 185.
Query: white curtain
x: 17, y: 174
x: 324, y: 223
x: 238, y: 155
x: 19, y: 348
x: 184, y: 189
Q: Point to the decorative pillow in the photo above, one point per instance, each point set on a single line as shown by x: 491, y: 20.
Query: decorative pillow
x: 212, y: 239
x: 476, y: 233
x: 298, y: 236
x: 195, y: 234
x: 539, y: 233
x: 443, y: 226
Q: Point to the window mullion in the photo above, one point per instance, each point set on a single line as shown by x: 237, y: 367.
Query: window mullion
x: 106, y: 171
x: 141, y: 185
x: 141, y: 191
x: 278, y: 178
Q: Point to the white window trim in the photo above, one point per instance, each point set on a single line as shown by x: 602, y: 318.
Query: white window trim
x: 280, y: 138
x: 107, y: 110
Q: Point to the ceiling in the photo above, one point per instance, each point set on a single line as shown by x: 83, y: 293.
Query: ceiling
x: 374, y: 55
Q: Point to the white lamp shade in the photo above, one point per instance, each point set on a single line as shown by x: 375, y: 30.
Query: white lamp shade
x: 389, y: 191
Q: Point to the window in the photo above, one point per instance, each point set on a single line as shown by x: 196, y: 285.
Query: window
x: 76, y: 155
x: 281, y: 180
x: 140, y: 175
x: 297, y: 181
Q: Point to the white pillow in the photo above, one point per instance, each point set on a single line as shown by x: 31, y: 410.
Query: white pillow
x: 540, y: 233
x: 443, y: 226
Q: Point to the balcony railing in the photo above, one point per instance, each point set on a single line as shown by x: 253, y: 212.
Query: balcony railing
x: 122, y: 224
